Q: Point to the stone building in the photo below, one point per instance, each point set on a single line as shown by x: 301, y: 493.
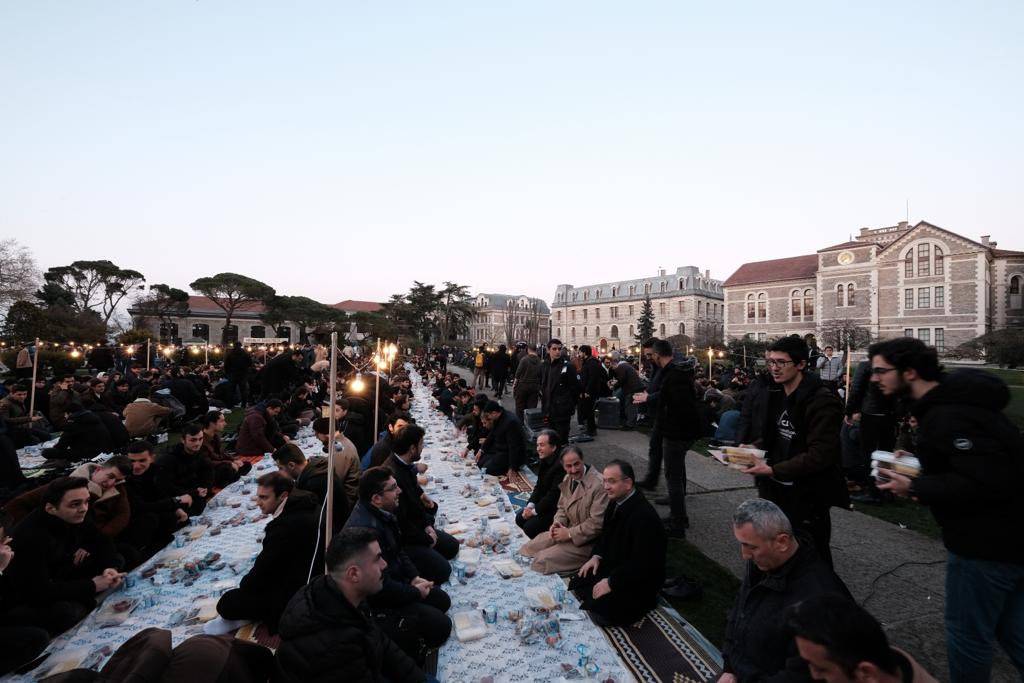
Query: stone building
x: 201, y: 318
x: 495, y: 315
x: 912, y: 280
x: 605, y: 315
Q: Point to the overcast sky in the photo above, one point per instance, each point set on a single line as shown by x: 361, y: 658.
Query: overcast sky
x: 341, y: 150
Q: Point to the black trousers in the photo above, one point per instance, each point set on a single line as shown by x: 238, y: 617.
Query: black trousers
x: 613, y: 609
x: 587, y: 415
x: 561, y: 426
x: 534, y: 526
x: 432, y: 563
x: 877, y: 433
x: 10, y: 468
x: 54, y: 617
x: 251, y: 606
x: 418, y: 624
x: 654, y: 457
x: 21, y: 645
x: 526, y: 397
x: 674, y: 453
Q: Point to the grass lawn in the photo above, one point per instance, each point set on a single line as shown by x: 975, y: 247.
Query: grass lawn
x: 905, y: 513
x: 708, y: 614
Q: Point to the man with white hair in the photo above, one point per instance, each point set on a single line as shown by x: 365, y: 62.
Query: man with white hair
x: 781, y: 571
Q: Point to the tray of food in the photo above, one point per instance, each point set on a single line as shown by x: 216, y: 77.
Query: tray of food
x: 905, y: 464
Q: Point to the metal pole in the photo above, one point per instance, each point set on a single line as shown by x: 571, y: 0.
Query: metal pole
x: 147, y: 352
x: 376, y: 394
x: 35, y: 370
x: 331, y: 426
x: 846, y: 398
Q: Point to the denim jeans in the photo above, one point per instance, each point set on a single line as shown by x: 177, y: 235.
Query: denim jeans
x: 984, y: 603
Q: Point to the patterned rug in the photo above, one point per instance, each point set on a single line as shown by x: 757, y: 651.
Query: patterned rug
x: 662, y: 647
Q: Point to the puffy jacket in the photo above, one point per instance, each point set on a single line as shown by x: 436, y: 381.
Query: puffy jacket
x: 972, y: 460
x: 325, y: 638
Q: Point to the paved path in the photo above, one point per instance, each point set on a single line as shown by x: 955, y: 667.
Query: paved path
x: 897, y: 574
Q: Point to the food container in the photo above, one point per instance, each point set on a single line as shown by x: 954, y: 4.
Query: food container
x: 469, y: 625
x: 907, y: 465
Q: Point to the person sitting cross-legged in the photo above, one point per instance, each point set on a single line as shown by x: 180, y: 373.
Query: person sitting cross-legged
x: 539, y: 512
x: 620, y: 581
x: 578, y: 518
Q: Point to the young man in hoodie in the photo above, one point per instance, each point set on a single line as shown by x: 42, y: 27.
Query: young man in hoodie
x: 972, y: 462
x: 802, y: 471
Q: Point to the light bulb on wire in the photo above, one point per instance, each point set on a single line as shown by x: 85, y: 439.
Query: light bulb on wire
x: 358, y: 384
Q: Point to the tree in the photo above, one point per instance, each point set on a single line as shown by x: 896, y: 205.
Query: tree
x: 840, y: 332
x: 301, y: 310
x: 750, y: 349
x: 510, y: 322
x: 1003, y: 347
x: 231, y: 291
x: 422, y: 303
x: 455, y: 310
x: 163, y: 303
x: 91, y: 285
x: 19, y: 275
x: 645, y: 323
x: 533, y: 322
x: 26, y: 321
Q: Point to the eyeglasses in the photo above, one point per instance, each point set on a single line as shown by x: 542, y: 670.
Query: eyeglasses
x: 389, y: 489
x: 773, y: 363
x: 881, y: 371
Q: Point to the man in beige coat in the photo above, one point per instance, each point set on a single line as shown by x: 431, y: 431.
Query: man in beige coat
x: 578, y: 519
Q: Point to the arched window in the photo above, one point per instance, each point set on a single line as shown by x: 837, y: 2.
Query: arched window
x: 751, y: 313
x: 762, y: 307
x: 597, y: 332
x: 258, y: 331
x: 574, y: 296
x: 908, y: 263
x: 558, y: 316
x: 849, y: 295
x: 681, y: 283
x: 840, y: 295
x: 808, y: 304
x: 631, y: 334
x: 586, y: 295
x: 940, y: 266
x: 558, y: 332
x: 1015, y: 293
x: 682, y: 328
x: 661, y: 331
x: 664, y: 285
x: 614, y: 332
x: 632, y: 290
x: 1015, y: 284
x: 573, y: 333
x: 924, y: 266
x: 647, y: 288
x: 584, y: 331
x: 615, y: 291
x: 795, y: 305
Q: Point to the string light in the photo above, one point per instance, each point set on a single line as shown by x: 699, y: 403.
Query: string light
x: 75, y: 353
x: 357, y: 384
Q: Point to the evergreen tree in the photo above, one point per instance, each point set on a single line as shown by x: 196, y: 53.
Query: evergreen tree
x: 645, y: 323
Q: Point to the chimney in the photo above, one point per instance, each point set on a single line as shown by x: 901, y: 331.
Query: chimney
x: 707, y: 274
x: 903, y: 225
x: 985, y: 240
x: 661, y: 272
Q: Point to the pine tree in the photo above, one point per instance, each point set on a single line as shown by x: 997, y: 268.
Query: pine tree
x: 645, y: 323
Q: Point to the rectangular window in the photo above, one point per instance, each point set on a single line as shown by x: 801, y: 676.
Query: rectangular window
x: 762, y: 311
x: 750, y: 311
x: 631, y: 310
x: 908, y: 299
x: 940, y: 297
x: 923, y: 260
x: 572, y: 314
x: 597, y: 314
x: 908, y: 268
x: 940, y: 339
x: 925, y: 335
x: 761, y: 336
x: 908, y: 332
x: 585, y: 311
x: 924, y: 297
x: 680, y: 305
x: 661, y: 308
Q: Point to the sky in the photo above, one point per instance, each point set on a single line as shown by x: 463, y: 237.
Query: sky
x: 341, y: 150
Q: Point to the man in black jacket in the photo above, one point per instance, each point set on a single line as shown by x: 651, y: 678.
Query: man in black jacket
x: 560, y: 391
x: 972, y: 463
x: 311, y: 475
x: 183, y: 470
x: 327, y: 631
x: 237, y: 363
x: 539, y: 512
x: 154, y: 514
x: 61, y: 561
x: 620, y: 581
x: 405, y: 594
x: 594, y: 384
x: 280, y: 373
x: 504, y: 449
x: 286, y: 560
x: 801, y: 472
x: 875, y: 413
x: 677, y: 421
x: 781, y: 571
x: 430, y: 549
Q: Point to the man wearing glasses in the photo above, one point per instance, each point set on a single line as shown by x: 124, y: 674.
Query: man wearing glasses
x: 801, y: 472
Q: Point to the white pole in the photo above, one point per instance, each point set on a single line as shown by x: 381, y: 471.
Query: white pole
x: 35, y: 370
x: 148, y: 341
x: 331, y: 426
x: 376, y: 394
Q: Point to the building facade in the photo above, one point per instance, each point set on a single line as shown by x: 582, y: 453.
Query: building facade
x: 905, y: 280
x: 201, y: 318
x: 687, y: 302
x: 508, y: 319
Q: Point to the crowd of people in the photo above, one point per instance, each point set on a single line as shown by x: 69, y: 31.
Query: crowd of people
x: 381, y: 606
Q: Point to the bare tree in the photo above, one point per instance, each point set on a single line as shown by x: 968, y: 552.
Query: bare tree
x: 510, y: 323
x: 842, y: 332
x: 19, y: 276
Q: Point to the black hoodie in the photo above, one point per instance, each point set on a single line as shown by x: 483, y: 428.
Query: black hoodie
x: 972, y: 460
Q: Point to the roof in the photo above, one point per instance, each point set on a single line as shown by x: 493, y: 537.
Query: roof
x: 1003, y: 253
x: 501, y: 301
x: 204, y: 304
x: 792, y: 268
x: 358, y: 306
x: 848, y: 245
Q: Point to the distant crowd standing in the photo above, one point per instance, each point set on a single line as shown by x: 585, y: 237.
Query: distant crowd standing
x: 819, y: 439
x: 381, y: 606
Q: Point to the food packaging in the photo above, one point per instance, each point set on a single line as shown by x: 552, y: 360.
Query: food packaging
x: 115, y: 612
x: 469, y: 625
x: 907, y: 465
x: 508, y: 569
x: 469, y: 555
x: 484, y: 501
x: 747, y: 457
x: 540, y: 597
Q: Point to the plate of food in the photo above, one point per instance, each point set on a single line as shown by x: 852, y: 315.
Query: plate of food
x: 738, y: 457
x: 907, y: 465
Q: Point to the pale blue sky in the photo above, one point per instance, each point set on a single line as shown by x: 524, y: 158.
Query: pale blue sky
x: 281, y: 140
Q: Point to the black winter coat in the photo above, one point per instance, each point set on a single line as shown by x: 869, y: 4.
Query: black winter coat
x: 279, y: 374
x: 972, y: 459
x: 545, y: 494
x: 236, y: 364
x: 283, y: 565
x: 676, y: 412
x: 413, y: 516
x: 178, y: 472
x: 594, y: 378
x: 43, y: 569
x: 314, y: 480
x: 560, y: 390
x: 865, y: 396
x: 84, y: 436
x: 146, y: 497
x: 324, y: 639
x: 632, y: 546
x: 398, y: 575
x: 754, y: 410
x: 505, y: 446
x: 758, y: 647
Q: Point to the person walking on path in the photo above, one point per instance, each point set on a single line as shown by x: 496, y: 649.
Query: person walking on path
x: 526, y: 387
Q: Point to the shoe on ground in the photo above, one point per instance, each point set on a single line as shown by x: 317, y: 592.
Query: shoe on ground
x: 668, y: 521
x: 676, y: 532
x: 648, y: 484
x: 684, y: 589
